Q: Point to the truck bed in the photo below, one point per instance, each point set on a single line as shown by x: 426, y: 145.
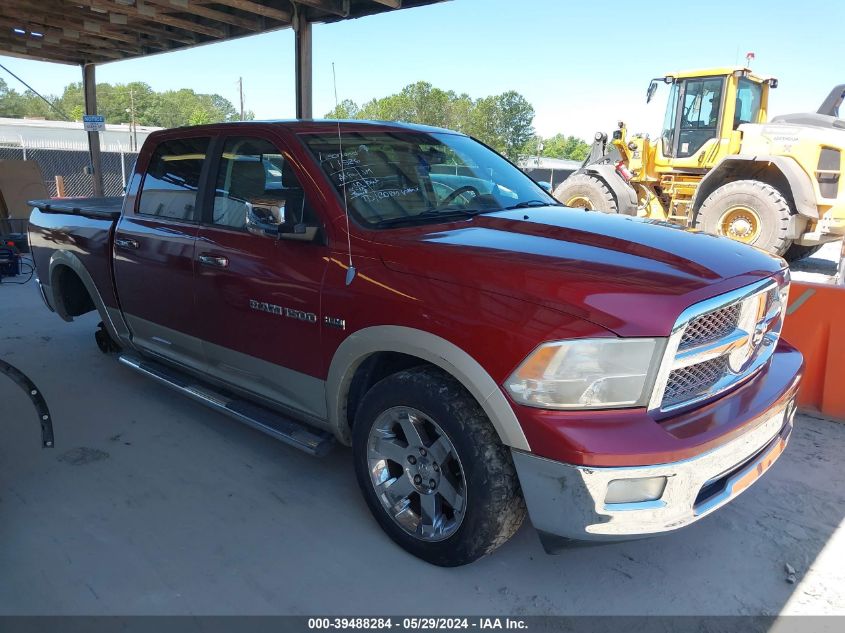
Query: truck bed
x: 107, y: 208
x: 83, y: 230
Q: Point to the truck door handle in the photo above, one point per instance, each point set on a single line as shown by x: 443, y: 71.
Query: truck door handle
x: 125, y: 242
x: 218, y: 261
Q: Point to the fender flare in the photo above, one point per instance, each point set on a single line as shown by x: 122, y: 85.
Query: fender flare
x: 37, y: 399
x: 626, y: 197
x: 111, y: 318
x: 428, y: 347
x: 800, y: 184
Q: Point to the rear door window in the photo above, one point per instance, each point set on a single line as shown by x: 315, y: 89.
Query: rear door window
x: 172, y: 180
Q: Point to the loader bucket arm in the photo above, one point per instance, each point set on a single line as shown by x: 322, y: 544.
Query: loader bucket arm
x: 44, y: 418
x: 598, y: 150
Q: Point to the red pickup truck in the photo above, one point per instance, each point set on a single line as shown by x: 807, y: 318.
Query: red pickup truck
x: 407, y: 291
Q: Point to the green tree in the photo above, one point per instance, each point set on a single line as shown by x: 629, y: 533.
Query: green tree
x: 346, y: 109
x: 514, y: 117
x: 16, y: 104
x: 9, y: 101
x: 570, y: 147
x: 72, y: 101
x: 558, y: 146
x: 117, y: 102
x: 76, y: 112
x: 199, y: 117
x: 503, y: 121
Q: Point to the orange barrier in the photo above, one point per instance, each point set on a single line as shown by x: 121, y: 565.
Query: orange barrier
x: 814, y: 324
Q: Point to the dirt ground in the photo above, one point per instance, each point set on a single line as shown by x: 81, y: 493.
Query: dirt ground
x: 151, y: 504
x: 821, y: 268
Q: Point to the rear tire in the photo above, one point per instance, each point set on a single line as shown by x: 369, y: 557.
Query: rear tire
x: 748, y: 211
x: 797, y: 252
x: 582, y: 191
x: 104, y: 340
x: 468, y: 481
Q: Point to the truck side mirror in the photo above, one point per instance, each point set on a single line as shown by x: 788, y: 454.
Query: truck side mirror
x: 264, y: 220
x: 268, y: 220
x: 546, y: 185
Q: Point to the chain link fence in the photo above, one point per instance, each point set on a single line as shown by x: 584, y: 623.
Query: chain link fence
x: 70, y: 162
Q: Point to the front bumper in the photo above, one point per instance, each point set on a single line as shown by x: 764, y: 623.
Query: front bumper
x: 568, y: 502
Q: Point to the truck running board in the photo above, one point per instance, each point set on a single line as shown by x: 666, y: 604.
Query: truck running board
x: 289, y: 431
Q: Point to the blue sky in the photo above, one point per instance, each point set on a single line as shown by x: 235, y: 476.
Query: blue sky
x: 583, y: 65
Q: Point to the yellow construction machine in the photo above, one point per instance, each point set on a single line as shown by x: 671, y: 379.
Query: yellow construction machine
x: 719, y: 166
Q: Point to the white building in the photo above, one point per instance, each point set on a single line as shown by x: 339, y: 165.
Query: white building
x: 38, y: 133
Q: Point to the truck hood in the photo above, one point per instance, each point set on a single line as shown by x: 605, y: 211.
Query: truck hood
x: 629, y: 275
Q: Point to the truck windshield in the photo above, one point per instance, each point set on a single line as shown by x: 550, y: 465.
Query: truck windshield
x: 392, y: 178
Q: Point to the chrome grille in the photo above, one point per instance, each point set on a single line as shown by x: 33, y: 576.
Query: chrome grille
x: 719, y: 343
x: 688, y: 382
x: 773, y: 296
x: 711, y: 326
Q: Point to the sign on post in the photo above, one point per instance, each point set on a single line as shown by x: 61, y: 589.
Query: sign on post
x: 94, y: 123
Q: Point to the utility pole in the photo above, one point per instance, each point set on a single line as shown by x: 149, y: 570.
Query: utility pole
x: 89, y: 89
x: 134, y: 122
x: 241, y: 91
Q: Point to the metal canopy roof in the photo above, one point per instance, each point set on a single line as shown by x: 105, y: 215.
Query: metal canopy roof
x: 99, y: 31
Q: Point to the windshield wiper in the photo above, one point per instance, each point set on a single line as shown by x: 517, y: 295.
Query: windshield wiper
x: 432, y: 214
x: 457, y: 212
x: 532, y: 203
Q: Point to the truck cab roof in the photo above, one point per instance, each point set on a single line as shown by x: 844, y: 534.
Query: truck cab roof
x: 319, y: 125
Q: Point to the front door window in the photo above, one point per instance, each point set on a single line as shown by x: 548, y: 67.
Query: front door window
x: 667, y: 137
x: 254, y: 174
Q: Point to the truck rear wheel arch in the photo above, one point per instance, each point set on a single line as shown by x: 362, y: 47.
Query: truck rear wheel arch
x: 400, y: 348
x: 67, y: 274
x: 781, y: 172
x: 70, y: 296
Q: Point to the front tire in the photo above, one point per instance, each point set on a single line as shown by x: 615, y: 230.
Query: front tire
x: 582, y: 191
x: 748, y: 211
x: 432, y: 469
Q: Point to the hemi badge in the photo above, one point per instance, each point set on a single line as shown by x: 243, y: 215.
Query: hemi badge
x: 335, y: 322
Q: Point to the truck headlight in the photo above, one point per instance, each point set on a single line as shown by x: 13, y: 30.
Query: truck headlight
x: 588, y: 374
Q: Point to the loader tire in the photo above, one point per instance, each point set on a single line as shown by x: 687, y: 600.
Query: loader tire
x: 582, y: 191
x: 797, y: 252
x: 748, y: 211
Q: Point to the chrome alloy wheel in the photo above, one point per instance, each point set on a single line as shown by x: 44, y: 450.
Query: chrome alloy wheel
x: 416, y: 473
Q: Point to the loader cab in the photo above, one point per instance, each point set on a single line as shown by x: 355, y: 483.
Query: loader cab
x: 703, y: 113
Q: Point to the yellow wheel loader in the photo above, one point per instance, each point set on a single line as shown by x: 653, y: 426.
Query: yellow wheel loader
x: 718, y: 165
